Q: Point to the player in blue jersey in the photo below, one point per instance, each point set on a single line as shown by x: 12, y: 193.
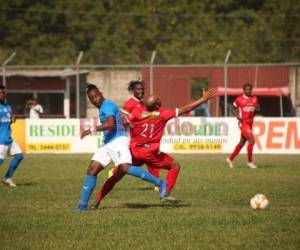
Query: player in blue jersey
x: 115, y: 148
x: 7, y: 145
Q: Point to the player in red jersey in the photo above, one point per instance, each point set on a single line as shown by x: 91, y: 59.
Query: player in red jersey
x: 247, y: 105
x: 137, y: 88
x: 146, y: 133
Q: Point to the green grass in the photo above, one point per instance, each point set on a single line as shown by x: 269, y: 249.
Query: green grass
x: 214, y: 212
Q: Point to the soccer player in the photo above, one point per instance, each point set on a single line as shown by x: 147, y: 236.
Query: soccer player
x: 115, y: 148
x: 245, y: 107
x: 146, y: 133
x: 7, y: 144
x: 137, y: 88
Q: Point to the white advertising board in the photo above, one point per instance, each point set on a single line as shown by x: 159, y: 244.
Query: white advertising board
x: 181, y: 135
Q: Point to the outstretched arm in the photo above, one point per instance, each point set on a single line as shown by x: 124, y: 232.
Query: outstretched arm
x: 189, y: 107
x: 108, y: 125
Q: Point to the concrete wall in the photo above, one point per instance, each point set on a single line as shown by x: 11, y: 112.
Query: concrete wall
x: 113, y: 83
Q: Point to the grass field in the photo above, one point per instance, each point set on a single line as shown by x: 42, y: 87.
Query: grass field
x: 214, y: 212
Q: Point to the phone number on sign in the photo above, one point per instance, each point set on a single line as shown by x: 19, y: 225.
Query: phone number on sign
x: 36, y: 147
x: 197, y: 146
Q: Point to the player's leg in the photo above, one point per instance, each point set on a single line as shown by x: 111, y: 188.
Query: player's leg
x: 121, y: 156
x: 250, y: 146
x: 97, y: 164
x: 154, y: 172
x: 236, y: 151
x: 161, y: 160
x: 3, y: 153
x: 108, y: 186
x: 117, y: 173
x: 17, y: 157
x: 248, y: 135
x: 172, y: 175
x: 144, y: 175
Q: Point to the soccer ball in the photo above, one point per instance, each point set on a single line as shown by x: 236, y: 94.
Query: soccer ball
x: 259, y: 201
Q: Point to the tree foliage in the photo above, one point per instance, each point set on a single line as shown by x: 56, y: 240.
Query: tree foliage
x: 127, y: 31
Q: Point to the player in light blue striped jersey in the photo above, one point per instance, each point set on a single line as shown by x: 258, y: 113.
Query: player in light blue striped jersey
x: 7, y: 144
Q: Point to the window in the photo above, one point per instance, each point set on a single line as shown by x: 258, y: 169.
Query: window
x: 52, y: 103
x: 197, y: 87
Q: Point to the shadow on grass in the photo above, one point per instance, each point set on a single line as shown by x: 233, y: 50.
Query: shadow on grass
x: 27, y: 184
x: 162, y: 205
x: 266, y: 166
x: 146, y: 188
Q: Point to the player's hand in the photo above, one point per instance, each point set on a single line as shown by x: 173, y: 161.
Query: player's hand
x: 210, y: 94
x: 84, y: 133
x: 13, y: 119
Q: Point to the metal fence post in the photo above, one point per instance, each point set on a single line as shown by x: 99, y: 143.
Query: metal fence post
x: 151, y: 71
x: 78, y: 84
x: 225, y: 83
x: 4, y: 67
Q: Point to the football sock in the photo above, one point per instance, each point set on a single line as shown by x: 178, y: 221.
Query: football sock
x: 171, y: 178
x: 107, y: 187
x: 13, y: 165
x: 87, y: 189
x: 143, y: 174
x: 236, y: 151
x: 153, y: 171
x: 250, y: 151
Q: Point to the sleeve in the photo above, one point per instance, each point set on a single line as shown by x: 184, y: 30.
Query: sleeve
x: 126, y: 106
x: 168, y: 114
x: 41, y: 109
x: 133, y: 116
x: 236, y: 102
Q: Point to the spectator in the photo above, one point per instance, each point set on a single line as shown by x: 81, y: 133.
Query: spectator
x: 35, y: 108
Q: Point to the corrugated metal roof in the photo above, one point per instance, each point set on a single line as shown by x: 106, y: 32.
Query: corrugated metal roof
x: 43, y: 73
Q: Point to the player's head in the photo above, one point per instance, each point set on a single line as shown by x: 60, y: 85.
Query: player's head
x: 2, y: 93
x: 137, y: 88
x: 247, y: 88
x: 94, y: 94
x: 153, y: 103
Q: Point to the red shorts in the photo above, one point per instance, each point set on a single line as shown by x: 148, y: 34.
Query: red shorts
x: 246, y: 130
x: 152, y: 158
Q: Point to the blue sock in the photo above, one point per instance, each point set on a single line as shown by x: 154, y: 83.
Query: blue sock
x: 143, y: 174
x: 13, y: 165
x: 87, y: 189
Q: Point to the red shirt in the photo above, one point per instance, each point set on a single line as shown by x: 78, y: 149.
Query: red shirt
x: 247, y: 107
x: 148, y: 127
x: 132, y: 103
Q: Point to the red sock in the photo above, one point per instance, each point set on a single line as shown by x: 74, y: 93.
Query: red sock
x: 107, y: 187
x: 153, y: 171
x: 236, y: 151
x: 250, y: 151
x: 172, y: 177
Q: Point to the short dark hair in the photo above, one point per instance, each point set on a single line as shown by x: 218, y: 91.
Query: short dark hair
x: 132, y: 84
x: 90, y: 87
x: 2, y: 86
x: 247, y: 85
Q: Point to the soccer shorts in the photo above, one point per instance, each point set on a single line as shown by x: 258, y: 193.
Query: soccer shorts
x: 116, y: 151
x: 152, y: 158
x: 246, y: 130
x: 11, y: 149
